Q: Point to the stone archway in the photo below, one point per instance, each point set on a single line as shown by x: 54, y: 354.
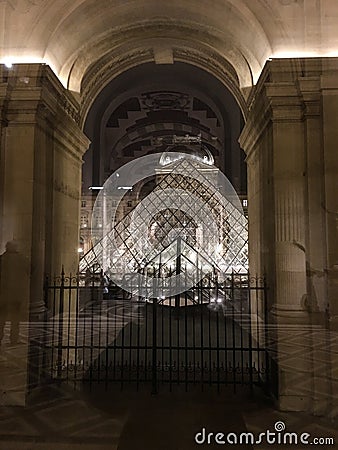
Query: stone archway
x: 202, y: 56
x: 281, y: 123
x: 208, y: 109
x: 289, y: 123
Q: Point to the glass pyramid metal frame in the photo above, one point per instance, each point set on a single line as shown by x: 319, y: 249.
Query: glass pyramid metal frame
x: 186, y: 220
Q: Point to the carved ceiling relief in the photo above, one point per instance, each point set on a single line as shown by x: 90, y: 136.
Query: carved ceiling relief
x: 153, y: 121
x: 165, y: 100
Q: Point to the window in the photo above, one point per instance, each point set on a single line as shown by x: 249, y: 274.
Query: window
x: 245, y: 203
x: 84, y: 221
x: 83, y: 203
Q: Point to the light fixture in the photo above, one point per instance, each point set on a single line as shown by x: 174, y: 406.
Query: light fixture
x: 95, y: 188
x: 8, y: 64
x: 80, y: 250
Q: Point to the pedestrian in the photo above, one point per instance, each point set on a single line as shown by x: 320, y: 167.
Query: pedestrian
x: 14, y: 271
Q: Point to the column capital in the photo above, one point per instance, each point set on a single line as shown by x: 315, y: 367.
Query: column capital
x: 38, y: 82
x: 288, y: 90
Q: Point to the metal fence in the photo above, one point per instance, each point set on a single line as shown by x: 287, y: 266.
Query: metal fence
x: 212, y: 335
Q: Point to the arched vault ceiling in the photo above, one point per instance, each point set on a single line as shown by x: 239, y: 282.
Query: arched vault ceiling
x: 73, y: 35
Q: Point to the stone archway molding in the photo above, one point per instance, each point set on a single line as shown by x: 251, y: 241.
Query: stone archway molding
x: 142, y: 43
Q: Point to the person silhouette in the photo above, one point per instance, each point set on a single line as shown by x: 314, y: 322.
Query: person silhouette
x: 13, y: 270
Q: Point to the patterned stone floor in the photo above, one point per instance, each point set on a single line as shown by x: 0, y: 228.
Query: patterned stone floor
x: 61, y: 417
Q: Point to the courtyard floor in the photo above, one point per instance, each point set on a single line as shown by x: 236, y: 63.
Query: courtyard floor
x: 66, y: 416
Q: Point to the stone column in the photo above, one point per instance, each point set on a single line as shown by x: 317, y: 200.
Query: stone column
x: 329, y: 136
x: 329, y: 89
x: 288, y: 172
x: 289, y: 140
x: 42, y: 148
x: 3, y: 122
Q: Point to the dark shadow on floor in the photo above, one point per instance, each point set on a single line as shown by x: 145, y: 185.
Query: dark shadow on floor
x: 171, y: 420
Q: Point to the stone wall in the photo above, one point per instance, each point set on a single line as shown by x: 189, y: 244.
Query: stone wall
x: 290, y: 141
x: 40, y: 172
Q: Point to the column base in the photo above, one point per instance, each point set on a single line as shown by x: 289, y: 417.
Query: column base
x: 333, y: 323
x: 294, y: 366
x: 290, y: 315
x: 293, y: 403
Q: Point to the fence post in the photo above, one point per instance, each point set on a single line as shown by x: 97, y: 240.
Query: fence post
x: 45, y: 358
x: 154, y: 340
x: 269, y: 375
x: 178, y: 272
x: 60, y: 331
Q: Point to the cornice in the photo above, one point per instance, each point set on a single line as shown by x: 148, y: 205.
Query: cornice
x: 33, y: 94
x: 288, y: 91
x: 37, y: 82
x: 65, y: 100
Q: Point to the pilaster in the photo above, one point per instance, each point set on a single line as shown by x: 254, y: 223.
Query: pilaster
x: 289, y: 141
x: 41, y: 157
